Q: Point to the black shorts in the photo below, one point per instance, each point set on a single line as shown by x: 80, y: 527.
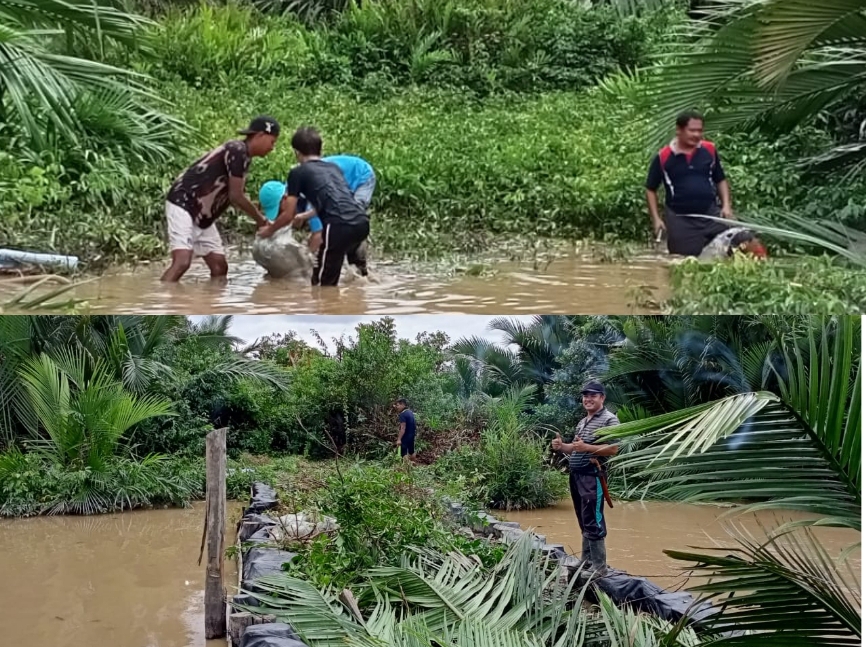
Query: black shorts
x: 407, y: 445
x: 688, y: 236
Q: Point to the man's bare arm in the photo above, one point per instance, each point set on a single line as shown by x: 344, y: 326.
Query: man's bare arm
x: 238, y: 197
x: 652, y: 201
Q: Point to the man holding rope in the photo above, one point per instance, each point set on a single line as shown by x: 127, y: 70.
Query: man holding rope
x: 587, y: 477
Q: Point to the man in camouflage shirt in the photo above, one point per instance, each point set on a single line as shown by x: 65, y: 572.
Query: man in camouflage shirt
x: 203, y: 192
x: 584, y: 477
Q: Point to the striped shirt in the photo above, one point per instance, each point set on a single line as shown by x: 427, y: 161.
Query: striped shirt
x: 587, y: 430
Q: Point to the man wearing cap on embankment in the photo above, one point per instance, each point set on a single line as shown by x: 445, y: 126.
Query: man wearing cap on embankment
x: 586, y: 463
x: 203, y: 192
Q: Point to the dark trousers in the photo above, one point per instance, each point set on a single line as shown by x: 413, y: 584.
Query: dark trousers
x: 588, y: 499
x: 339, y: 241
x: 688, y: 236
x: 407, y: 445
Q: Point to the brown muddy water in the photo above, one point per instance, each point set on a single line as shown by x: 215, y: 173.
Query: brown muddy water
x: 571, y: 284
x: 638, y: 532
x: 131, y: 579
x: 118, y: 580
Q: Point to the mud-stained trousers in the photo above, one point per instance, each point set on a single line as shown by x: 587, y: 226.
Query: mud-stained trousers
x: 588, y: 499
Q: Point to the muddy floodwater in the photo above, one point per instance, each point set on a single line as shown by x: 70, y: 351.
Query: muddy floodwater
x: 119, y: 580
x: 131, y: 580
x: 571, y: 284
x: 639, y: 532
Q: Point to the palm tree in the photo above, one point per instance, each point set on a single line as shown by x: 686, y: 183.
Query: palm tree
x: 533, y: 359
x: 666, y: 364
x: 797, y: 449
x: 75, y: 414
x: 59, y: 98
x: 129, y: 345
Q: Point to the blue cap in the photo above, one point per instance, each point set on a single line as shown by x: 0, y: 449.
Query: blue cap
x: 270, y: 196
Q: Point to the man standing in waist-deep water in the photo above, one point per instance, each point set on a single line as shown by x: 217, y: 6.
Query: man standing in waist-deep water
x: 586, y: 459
x: 406, y: 435
x: 695, y: 183
x: 202, y: 193
x: 345, y: 221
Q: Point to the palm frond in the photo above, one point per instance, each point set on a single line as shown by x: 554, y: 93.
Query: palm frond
x: 782, y: 591
x: 241, y: 368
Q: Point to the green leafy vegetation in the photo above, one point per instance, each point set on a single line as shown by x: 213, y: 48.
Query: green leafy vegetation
x: 805, y: 285
x: 537, y: 98
x: 701, y: 399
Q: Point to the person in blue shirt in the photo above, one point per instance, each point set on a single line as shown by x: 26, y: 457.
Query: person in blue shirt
x: 406, y: 435
x: 360, y: 177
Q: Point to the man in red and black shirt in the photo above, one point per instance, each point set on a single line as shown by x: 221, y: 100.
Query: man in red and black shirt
x: 695, y: 183
x: 203, y: 192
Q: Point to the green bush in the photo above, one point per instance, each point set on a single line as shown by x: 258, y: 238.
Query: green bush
x: 507, y: 470
x: 382, y: 513
x: 29, y: 485
x: 481, y: 45
x: 801, y: 285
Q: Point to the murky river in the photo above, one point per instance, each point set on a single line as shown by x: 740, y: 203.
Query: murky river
x: 119, y: 580
x: 131, y: 580
x: 570, y: 284
x: 639, y: 532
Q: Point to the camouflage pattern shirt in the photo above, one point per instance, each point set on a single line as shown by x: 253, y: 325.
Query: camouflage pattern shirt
x: 203, y: 189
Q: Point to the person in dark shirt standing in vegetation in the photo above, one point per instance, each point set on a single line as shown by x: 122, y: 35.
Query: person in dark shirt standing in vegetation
x: 694, y: 181
x: 346, y: 223
x: 203, y: 192
x: 586, y: 463
x: 406, y: 435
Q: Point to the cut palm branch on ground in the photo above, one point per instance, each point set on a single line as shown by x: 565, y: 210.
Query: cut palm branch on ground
x: 433, y: 598
x: 831, y: 236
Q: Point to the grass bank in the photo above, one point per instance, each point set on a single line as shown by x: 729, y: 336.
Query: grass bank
x: 788, y: 285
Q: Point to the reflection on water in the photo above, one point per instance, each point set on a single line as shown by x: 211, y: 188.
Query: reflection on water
x: 569, y: 285
x: 129, y: 580
x: 638, y: 532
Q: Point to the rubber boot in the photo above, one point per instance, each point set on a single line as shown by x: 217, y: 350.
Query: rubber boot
x: 585, y: 557
x: 598, y: 556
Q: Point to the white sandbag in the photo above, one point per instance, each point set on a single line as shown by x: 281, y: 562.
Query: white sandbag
x: 302, y: 526
x: 282, y: 256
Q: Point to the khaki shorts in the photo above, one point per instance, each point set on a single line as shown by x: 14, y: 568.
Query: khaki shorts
x: 184, y: 234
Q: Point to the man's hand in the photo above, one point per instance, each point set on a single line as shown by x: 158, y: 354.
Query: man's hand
x: 298, y: 222
x: 580, y: 446
x: 397, y: 443
x: 728, y: 213
x: 265, y: 232
x: 659, y: 229
x: 556, y: 443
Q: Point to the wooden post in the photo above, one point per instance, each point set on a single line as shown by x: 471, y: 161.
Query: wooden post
x: 215, y: 520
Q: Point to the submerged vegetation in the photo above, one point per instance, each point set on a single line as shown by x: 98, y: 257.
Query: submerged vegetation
x: 556, y: 106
